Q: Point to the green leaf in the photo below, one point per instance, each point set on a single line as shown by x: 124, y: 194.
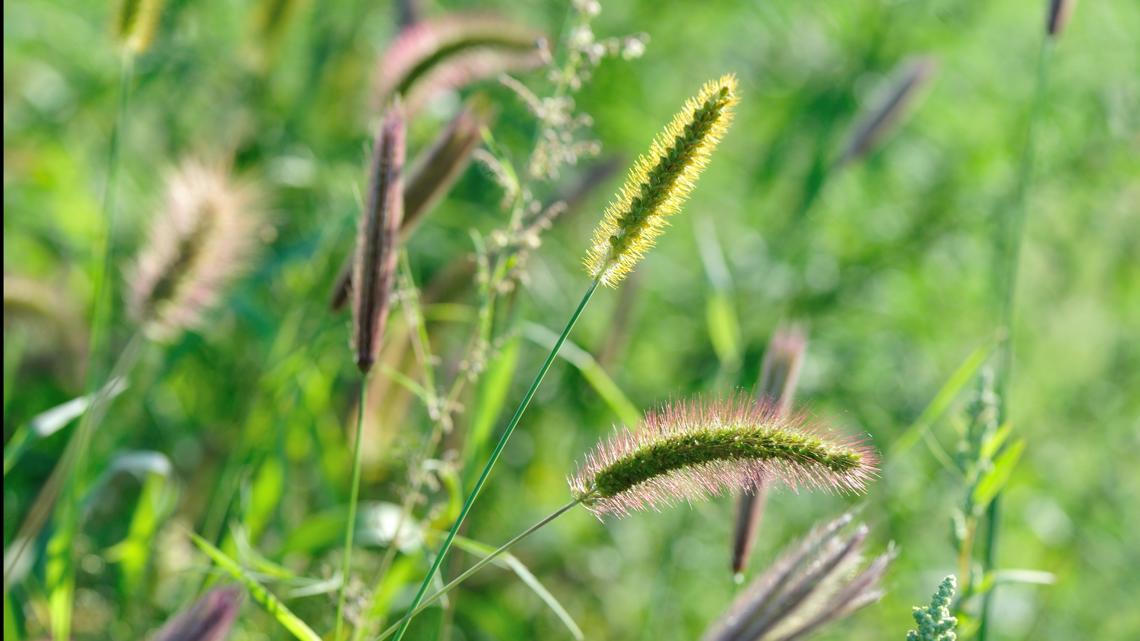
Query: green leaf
x: 264, y: 497
x: 519, y: 568
x: 51, y: 421
x: 271, y: 604
x: 59, y: 570
x: 155, y: 503
x: 994, y: 442
x: 997, y: 476
x: 11, y: 626
x: 724, y: 329
x: 490, y: 397
x: 942, y: 400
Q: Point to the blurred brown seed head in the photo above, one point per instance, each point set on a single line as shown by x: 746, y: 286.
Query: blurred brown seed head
x: 777, y: 387
x: 374, y: 269
x: 1059, y: 13
x: 819, y: 581
x: 887, y: 114
x: 209, y: 619
x: 201, y: 240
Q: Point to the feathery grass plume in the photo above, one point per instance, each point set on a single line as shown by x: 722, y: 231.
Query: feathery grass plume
x: 934, y: 622
x: 453, y: 51
x: 201, y: 241
x: 660, y: 181
x: 817, y: 582
x: 688, y: 450
x: 374, y: 269
x: 778, y: 375
x: 1059, y: 13
x: 431, y: 176
x: 136, y: 24
x: 209, y: 619
x: 887, y: 114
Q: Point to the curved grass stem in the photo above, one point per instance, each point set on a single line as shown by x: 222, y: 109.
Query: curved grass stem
x: 470, y: 501
x: 451, y: 585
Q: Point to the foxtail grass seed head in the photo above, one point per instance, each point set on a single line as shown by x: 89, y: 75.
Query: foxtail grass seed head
x: 689, y: 450
x: 431, y: 176
x: 374, y: 269
x: 209, y: 619
x: 201, y: 241
x: 778, y: 375
x: 813, y: 583
x: 660, y: 181
x: 1059, y: 13
x: 887, y: 114
x: 136, y: 23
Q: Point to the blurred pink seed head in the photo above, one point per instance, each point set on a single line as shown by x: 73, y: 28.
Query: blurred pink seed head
x: 202, y: 240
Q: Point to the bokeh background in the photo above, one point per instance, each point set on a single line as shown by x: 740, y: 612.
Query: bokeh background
x: 891, y: 268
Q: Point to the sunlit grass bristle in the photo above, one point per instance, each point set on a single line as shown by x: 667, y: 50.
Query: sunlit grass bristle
x: 689, y: 450
x: 660, y: 181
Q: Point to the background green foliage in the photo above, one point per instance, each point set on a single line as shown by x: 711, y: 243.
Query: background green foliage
x: 891, y: 268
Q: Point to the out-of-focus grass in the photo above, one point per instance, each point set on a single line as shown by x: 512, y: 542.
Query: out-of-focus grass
x: 891, y: 268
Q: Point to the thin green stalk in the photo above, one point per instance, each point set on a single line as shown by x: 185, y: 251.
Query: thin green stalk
x: 1011, y: 242
x: 479, y: 565
x: 493, y: 458
x: 354, y: 498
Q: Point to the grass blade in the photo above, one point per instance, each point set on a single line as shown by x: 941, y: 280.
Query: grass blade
x: 271, y: 604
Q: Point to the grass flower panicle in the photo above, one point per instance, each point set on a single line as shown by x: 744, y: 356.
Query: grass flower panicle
x: 818, y: 581
x: 198, y: 244
x: 690, y: 450
x: 660, y: 181
x: 374, y: 267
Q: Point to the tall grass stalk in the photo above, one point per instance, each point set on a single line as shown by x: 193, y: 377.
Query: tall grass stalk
x: 353, y: 501
x: 1010, y: 241
x: 72, y: 463
x: 495, y: 454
